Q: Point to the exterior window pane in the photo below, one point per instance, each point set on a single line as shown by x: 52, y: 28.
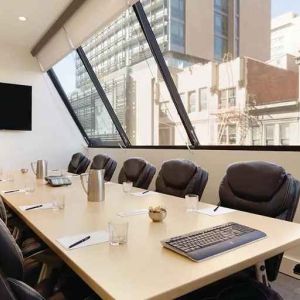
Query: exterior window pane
x: 231, y: 97
x: 85, y: 101
x: 221, y: 47
x: 256, y: 136
x: 269, y: 135
x: 221, y: 25
x: 221, y: 5
x: 232, y: 134
x: 284, y: 132
x: 203, y: 99
x: 192, y: 102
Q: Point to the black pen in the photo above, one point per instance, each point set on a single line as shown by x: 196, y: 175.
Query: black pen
x: 79, y: 242
x: 219, y: 204
x: 12, y: 191
x: 33, y: 207
x: 145, y: 192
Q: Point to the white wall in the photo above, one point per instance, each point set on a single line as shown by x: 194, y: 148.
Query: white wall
x: 54, y: 135
x: 215, y: 162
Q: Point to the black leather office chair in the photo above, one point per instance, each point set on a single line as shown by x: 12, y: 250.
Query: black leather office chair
x: 102, y: 161
x: 261, y: 188
x: 26, y: 240
x: 138, y: 171
x: 181, y: 177
x: 78, y: 164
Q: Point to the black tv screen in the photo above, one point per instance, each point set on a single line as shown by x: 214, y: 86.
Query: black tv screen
x: 15, y: 107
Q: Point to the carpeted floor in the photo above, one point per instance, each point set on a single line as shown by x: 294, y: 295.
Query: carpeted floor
x: 287, y: 287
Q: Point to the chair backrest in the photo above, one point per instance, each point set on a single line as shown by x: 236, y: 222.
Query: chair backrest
x: 11, y: 258
x: 3, y: 215
x: 5, y: 290
x: 78, y: 164
x: 181, y: 177
x: 261, y: 188
x: 137, y: 170
x: 102, y: 161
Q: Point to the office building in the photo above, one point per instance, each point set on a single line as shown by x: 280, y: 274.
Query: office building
x: 149, y: 150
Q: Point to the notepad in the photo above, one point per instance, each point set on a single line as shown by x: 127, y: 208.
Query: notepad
x: 48, y: 205
x: 96, y: 237
x: 134, y: 212
x: 141, y: 194
x: 210, y: 211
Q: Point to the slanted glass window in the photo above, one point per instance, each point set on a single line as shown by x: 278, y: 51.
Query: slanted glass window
x: 85, y: 101
x: 131, y: 79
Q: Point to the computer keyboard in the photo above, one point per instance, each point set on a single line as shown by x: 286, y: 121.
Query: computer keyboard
x: 202, y: 244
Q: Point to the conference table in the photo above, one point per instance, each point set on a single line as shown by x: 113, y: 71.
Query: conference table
x: 142, y: 268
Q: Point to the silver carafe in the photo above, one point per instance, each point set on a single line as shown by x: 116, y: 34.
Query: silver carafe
x: 41, y: 168
x: 96, y: 188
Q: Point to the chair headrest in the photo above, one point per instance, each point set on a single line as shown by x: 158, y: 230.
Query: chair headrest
x: 76, y: 158
x: 99, y: 161
x: 178, y: 173
x: 257, y: 180
x: 133, y: 167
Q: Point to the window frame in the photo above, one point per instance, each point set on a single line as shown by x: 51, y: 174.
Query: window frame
x: 183, y: 113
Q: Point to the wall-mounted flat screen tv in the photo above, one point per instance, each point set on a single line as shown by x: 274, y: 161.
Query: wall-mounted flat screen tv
x: 15, y: 107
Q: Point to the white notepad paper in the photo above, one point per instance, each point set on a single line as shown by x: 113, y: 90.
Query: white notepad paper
x: 210, y: 211
x: 134, y: 212
x: 96, y: 237
x: 48, y: 205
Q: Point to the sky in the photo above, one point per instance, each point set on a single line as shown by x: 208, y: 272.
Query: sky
x: 282, y: 6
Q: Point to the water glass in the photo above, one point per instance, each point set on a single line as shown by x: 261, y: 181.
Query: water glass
x: 191, y: 202
x: 118, y: 231
x: 127, y: 186
x: 29, y: 186
x: 59, y: 202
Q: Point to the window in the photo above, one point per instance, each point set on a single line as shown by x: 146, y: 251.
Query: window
x: 227, y: 98
x: 245, y: 81
x: 256, y: 134
x: 134, y: 85
x: 227, y: 134
x: 202, y: 99
x: 192, y: 102
x: 269, y: 131
x: 85, y: 101
x: 284, y: 133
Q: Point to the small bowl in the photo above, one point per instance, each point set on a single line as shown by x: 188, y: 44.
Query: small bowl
x: 157, y: 216
x: 24, y: 171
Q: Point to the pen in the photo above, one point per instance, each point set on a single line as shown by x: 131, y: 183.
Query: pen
x: 79, y: 242
x: 219, y: 204
x: 12, y: 191
x: 145, y: 192
x: 33, y: 207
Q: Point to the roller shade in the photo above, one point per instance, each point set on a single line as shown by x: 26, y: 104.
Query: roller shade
x: 89, y: 18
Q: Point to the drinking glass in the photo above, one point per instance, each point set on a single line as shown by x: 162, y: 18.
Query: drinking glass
x: 118, y: 232
x: 59, y: 202
x: 127, y: 186
x: 29, y: 186
x: 191, y: 202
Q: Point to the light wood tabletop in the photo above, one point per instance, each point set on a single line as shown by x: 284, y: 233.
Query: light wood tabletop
x: 141, y: 269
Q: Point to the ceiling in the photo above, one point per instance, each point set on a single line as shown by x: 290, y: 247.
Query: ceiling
x: 40, y: 14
